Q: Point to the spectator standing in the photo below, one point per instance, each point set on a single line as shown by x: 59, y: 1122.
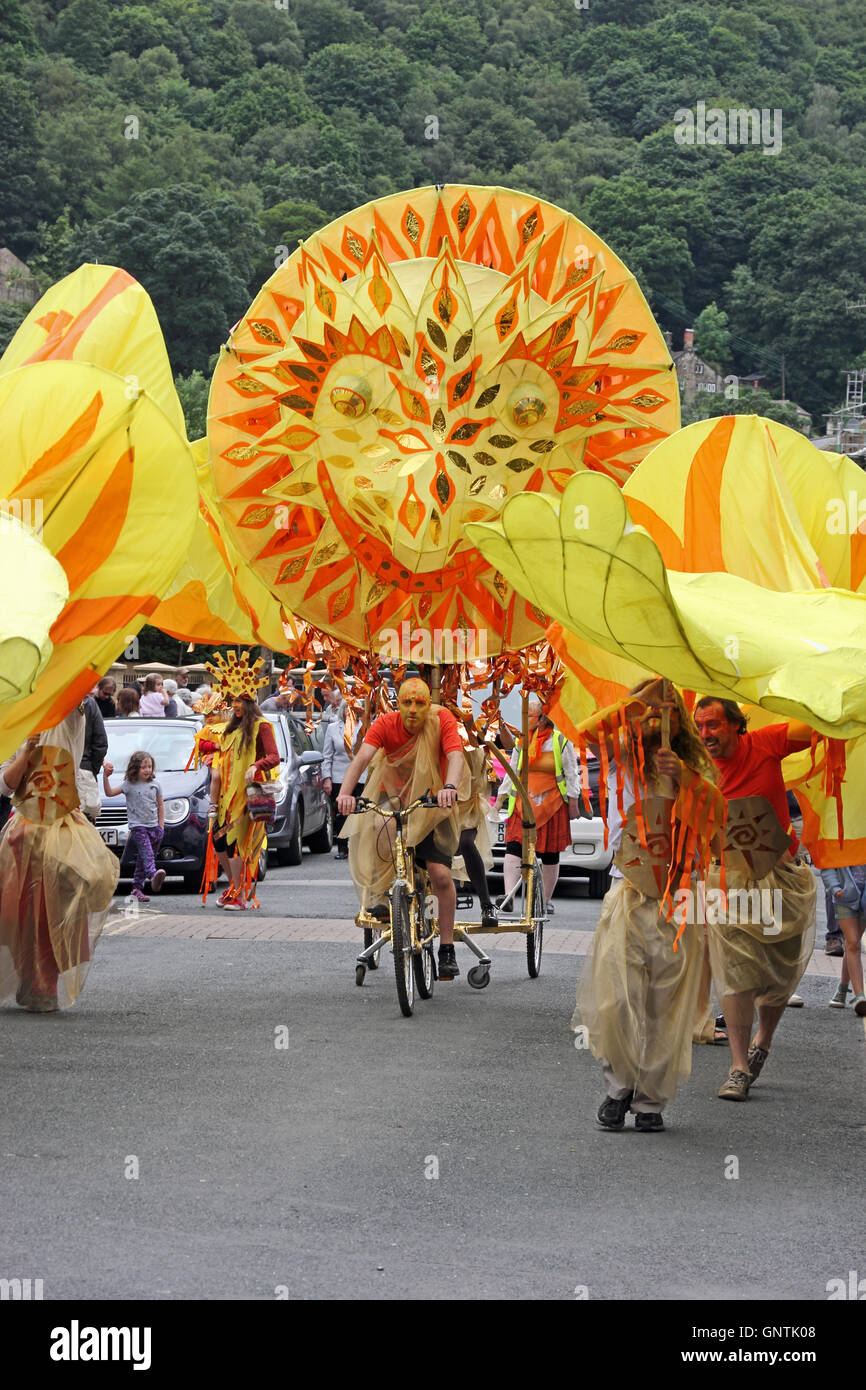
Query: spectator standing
x: 104, y: 696
x: 171, y: 710
x: 92, y: 758
x: 335, y: 762
x: 275, y: 704
x: 182, y: 678
x: 154, y: 699
x: 128, y: 700
x: 847, y: 886
x: 146, y: 816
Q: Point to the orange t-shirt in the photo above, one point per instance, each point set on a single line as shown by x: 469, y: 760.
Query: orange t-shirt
x: 755, y: 770
x: 389, y: 732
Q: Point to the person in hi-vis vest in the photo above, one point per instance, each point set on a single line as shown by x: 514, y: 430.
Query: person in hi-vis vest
x: 554, y: 789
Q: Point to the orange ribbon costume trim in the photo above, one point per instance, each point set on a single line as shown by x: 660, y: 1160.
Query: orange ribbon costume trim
x: 698, y: 812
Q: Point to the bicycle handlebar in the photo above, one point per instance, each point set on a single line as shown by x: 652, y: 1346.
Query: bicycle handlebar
x: 426, y: 802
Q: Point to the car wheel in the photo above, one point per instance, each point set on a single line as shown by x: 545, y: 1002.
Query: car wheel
x: 293, y: 852
x: 263, y: 866
x: 599, y: 882
x: 322, y: 842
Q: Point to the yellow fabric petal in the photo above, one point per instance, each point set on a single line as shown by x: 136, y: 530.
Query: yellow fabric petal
x: 800, y: 655
x: 92, y: 432
x: 33, y: 590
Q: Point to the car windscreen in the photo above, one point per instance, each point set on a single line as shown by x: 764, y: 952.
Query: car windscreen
x: 279, y: 735
x: 169, y: 744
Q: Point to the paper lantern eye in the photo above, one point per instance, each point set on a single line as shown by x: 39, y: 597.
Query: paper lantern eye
x: 526, y: 405
x: 351, y: 396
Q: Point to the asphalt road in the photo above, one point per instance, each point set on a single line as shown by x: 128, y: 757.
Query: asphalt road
x: 287, y: 1129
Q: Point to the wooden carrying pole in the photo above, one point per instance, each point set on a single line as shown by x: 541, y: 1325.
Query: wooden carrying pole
x: 666, y: 786
x: 528, y: 813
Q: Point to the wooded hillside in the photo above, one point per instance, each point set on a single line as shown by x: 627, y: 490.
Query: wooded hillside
x: 187, y: 140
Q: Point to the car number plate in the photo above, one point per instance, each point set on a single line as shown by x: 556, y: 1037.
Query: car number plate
x: 109, y: 836
x: 500, y: 833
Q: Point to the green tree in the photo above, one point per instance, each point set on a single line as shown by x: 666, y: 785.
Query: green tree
x: 18, y: 154
x: 193, y: 392
x: 83, y: 33
x: 712, y: 337
x: 193, y: 252
x: 754, y: 403
x: 447, y: 39
x: 372, y: 79
x: 11, y: 318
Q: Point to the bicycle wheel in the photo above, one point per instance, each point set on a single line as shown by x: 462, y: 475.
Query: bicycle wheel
x: 401, y: 945
x: 425, y: 968
x: 535, y: 938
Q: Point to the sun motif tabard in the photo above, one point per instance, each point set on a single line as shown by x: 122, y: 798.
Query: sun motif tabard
x: 405, y: 372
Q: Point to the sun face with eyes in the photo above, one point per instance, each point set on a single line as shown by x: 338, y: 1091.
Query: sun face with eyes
x: 399, y: 396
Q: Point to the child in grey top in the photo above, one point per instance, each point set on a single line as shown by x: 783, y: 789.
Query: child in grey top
x: 146, y: 816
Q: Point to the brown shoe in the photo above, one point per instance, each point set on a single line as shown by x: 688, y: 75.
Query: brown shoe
x: 42, y: 1004
x: 757, y: 1058
x: 736, y: 1087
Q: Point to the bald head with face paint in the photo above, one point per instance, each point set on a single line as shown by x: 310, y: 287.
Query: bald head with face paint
x: 413, y: 702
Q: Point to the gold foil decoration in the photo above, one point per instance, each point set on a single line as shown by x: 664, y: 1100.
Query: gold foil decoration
x: 464, y: 212
x: 250, y: 386
x: 291, y: 569
x: 622, y: 341
x: 436, y: 336
x: 487, y: 396
x: 462, y: 386
x: 326, y: 553
x: 265, y: 331
x: 529, y: 227
x: 355, y: 246
x: 462, y: 346
x: 413, y: 227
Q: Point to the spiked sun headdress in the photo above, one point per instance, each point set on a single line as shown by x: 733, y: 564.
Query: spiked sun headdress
x: 236, y: 677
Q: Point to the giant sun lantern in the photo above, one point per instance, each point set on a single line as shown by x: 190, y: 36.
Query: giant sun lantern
x: 404, y: 373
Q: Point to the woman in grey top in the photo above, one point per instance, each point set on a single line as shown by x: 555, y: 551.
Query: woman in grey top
x: 335, y: 761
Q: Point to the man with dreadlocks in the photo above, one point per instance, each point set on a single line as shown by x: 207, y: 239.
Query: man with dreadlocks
x: 637, y: 992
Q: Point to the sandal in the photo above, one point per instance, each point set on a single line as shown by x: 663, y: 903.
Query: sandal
x: 720, y: 1032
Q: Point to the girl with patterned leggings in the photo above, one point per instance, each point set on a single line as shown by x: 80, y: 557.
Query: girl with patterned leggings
x: 146, y: 815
